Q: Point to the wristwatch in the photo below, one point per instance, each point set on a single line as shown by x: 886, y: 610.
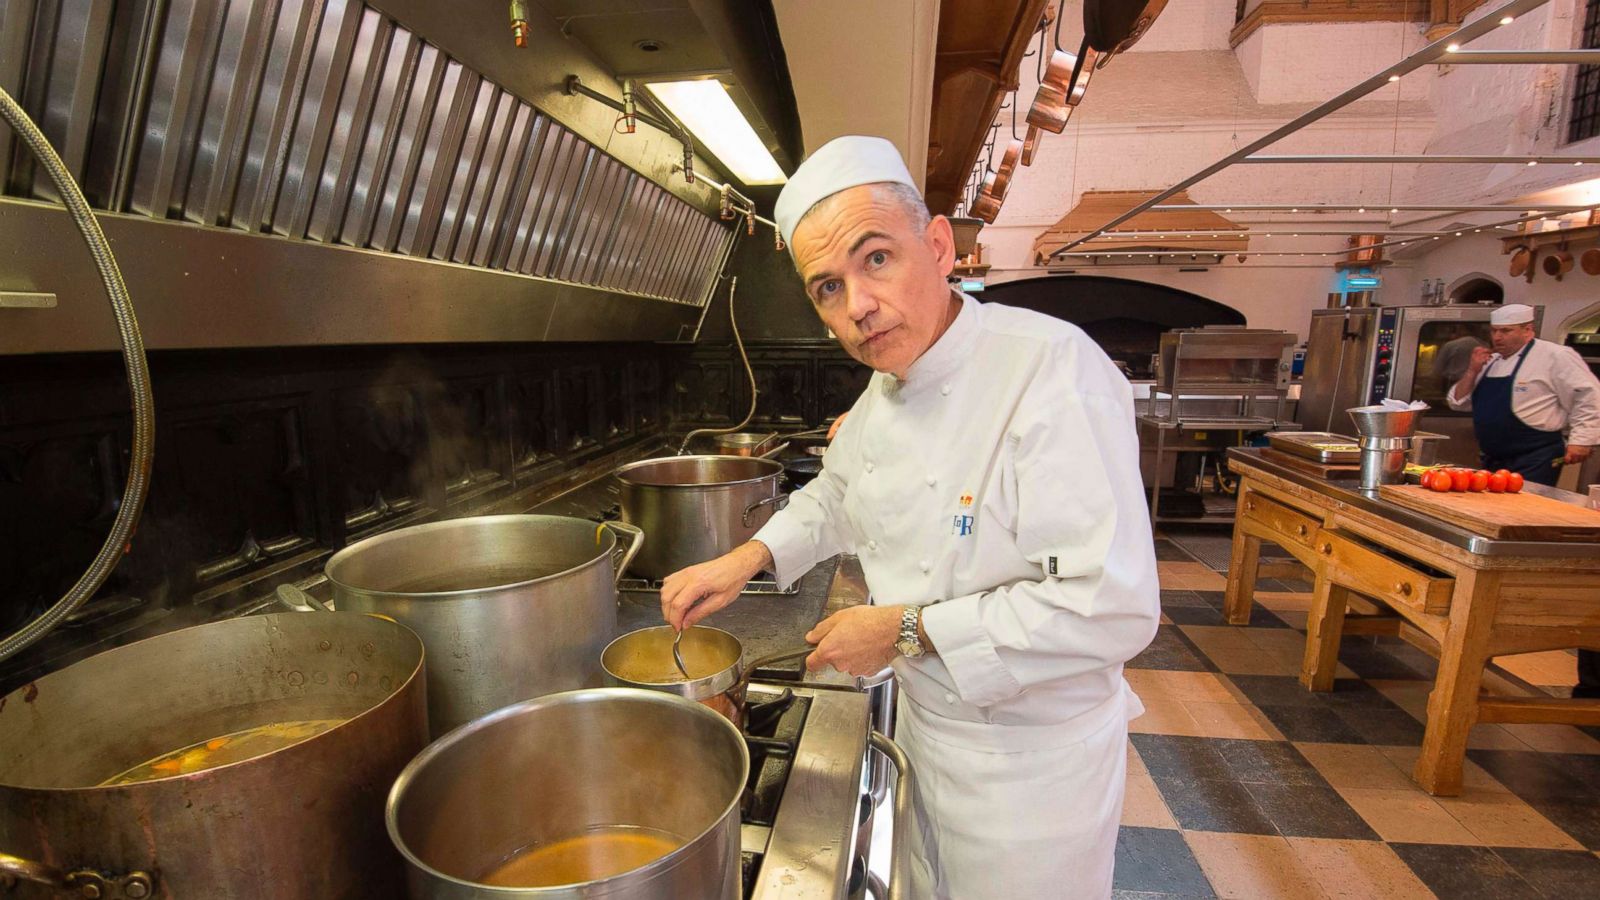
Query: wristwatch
x: 909, y: 644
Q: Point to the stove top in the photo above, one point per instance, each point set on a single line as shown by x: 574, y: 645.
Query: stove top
x: 799, y: 812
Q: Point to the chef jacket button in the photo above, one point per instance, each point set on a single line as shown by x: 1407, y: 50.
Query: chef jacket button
x: 869, y: 467
x: 872, y: 545
x: 945, y: 389
x: 949, y: 697
x: 923, y: 565
x: 932, y: 481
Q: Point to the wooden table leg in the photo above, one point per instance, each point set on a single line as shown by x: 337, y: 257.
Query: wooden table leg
x: 1324, y: 628
x: 1242, y: 564
x: 1453, y: 705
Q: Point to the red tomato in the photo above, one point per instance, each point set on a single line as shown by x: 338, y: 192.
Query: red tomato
x: 1460, y: 480
x: 1440, y: 482
x: 1497, y: 483
x: 1479, y: 482
x: 1505, y: 472
x: 1514, y: 482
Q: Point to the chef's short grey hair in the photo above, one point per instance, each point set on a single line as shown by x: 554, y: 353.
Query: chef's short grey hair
x: 908, y: 198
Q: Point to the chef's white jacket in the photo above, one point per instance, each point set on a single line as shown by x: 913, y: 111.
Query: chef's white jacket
x: 1000, y: 482
x: 1555, y: 391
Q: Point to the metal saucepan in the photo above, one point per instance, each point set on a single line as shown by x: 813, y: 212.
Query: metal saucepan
x: 287, y: 820
x: 510, y: 607
x: 717, y: 678
x: 744, y: 443
x: 1557, y: 264
x: 637, y: 790
x: 802, y: 469
x: 696, y: 508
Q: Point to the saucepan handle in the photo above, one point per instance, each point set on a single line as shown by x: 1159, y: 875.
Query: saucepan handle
x: 900, y: 844
x: 80, y: 882
x: 635, y: 544
x: 777, y: 500
x: 299, y: 600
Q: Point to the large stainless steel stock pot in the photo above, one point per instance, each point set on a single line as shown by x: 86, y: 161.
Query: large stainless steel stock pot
x: 509, y: 607
x: 695, y: 508
x: 608, y: 793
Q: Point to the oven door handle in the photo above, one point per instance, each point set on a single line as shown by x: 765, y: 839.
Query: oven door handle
x: 900, y: 840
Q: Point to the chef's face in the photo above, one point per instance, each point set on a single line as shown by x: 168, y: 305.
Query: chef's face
x: 875, y: 277
x: 1508, y: 339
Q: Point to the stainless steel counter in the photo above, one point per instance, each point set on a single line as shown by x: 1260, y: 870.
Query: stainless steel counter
x: 1372, y: 502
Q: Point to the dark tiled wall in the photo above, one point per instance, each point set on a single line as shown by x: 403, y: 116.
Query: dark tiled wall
x: 267, y: 461
x: 800, y: 383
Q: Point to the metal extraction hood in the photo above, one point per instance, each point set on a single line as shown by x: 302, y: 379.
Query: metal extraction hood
x: 293, y: 172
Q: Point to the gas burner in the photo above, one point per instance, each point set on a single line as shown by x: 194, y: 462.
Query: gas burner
x: 758, y: 586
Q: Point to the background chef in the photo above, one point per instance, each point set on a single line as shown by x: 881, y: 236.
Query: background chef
x: 1534, y: 405
x: 988, y: 479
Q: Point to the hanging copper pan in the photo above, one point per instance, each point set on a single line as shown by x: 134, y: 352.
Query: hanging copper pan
x: 1557, y: 264
x: 1113, y: 26
x: 1008, y: 167
x: 1521, y: 262
x: 1058, y: 71
x: 1087, y: 58
x: 1030, y: 146
x: 987, y: 206
x: 1049, y: 111
x: 1590, y: 261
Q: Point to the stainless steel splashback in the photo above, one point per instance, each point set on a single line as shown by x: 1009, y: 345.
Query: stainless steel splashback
x: 327, y: 122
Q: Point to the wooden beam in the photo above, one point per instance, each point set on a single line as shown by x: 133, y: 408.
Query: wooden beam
x: 1302, y: 12
x: 1387, y: 625
x: 1539, y: 710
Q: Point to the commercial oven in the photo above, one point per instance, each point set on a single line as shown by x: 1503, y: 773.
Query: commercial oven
x: 1359, y: 356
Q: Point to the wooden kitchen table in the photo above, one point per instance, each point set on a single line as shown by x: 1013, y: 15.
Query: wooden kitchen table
x: 1462, y: 596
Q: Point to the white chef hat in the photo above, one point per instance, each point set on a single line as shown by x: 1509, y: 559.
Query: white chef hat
x: 844, y: 162
x: 1512, y: 314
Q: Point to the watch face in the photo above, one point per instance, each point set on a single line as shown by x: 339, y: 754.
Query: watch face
x: 908, y: 648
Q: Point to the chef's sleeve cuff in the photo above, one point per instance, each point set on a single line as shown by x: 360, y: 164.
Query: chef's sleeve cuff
x: 955, y: 628
x: 791, y: 545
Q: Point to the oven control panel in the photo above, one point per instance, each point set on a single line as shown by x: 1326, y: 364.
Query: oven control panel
x: 1383, y: 356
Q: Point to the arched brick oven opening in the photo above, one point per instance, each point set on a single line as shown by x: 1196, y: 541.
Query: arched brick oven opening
x: 1125, y: 317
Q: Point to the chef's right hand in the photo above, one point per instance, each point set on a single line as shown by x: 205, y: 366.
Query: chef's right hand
x: 692, y: 594
x: 1480, y: 358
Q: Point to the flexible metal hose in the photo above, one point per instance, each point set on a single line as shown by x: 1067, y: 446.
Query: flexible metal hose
x: 138, y: 383
x: 733, y: 322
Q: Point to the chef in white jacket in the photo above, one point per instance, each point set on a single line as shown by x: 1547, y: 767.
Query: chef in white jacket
x: 988, y: 479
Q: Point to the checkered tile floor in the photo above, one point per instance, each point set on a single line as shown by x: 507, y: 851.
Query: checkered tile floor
x: 1243, y: 784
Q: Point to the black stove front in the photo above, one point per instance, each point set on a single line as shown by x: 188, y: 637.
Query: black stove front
x: 774, y: 720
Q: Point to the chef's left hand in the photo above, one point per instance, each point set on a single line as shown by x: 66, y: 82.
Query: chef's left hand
x: 1577, y: 453
x: 856, y: 641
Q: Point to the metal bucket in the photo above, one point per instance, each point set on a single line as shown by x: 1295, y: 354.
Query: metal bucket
x: 571, y: 767
x: 696, y: 508
x: 303, y: 821
x: 509, y: 607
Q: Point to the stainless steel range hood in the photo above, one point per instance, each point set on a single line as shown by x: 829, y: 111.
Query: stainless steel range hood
x: 292, y: 172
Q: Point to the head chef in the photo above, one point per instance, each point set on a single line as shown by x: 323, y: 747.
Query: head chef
x: 988, y: 480
x: 1535, y: 405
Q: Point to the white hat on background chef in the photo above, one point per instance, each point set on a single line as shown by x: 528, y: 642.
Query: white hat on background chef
x: 1512, y: 314
x: 844, y: 162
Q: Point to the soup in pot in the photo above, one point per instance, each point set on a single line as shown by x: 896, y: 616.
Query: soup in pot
x: 591, y: 856
x: 220, y: 751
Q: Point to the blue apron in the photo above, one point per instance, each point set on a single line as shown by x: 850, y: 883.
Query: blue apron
x: 1506, y: 441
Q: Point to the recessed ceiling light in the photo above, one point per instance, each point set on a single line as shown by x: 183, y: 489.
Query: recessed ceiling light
x: 1394, y: 77
x: 705, y: 109
x: 1394, y: 209
x: 1533, y: 162
x: 1451, y: 48
x: 1507, y: 20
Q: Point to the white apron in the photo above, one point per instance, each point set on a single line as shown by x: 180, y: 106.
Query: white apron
x: 1037, y: 821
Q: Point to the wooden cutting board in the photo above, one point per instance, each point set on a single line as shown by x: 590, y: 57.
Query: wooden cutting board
x: 1330, y: 471
x: 1509, y: 517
